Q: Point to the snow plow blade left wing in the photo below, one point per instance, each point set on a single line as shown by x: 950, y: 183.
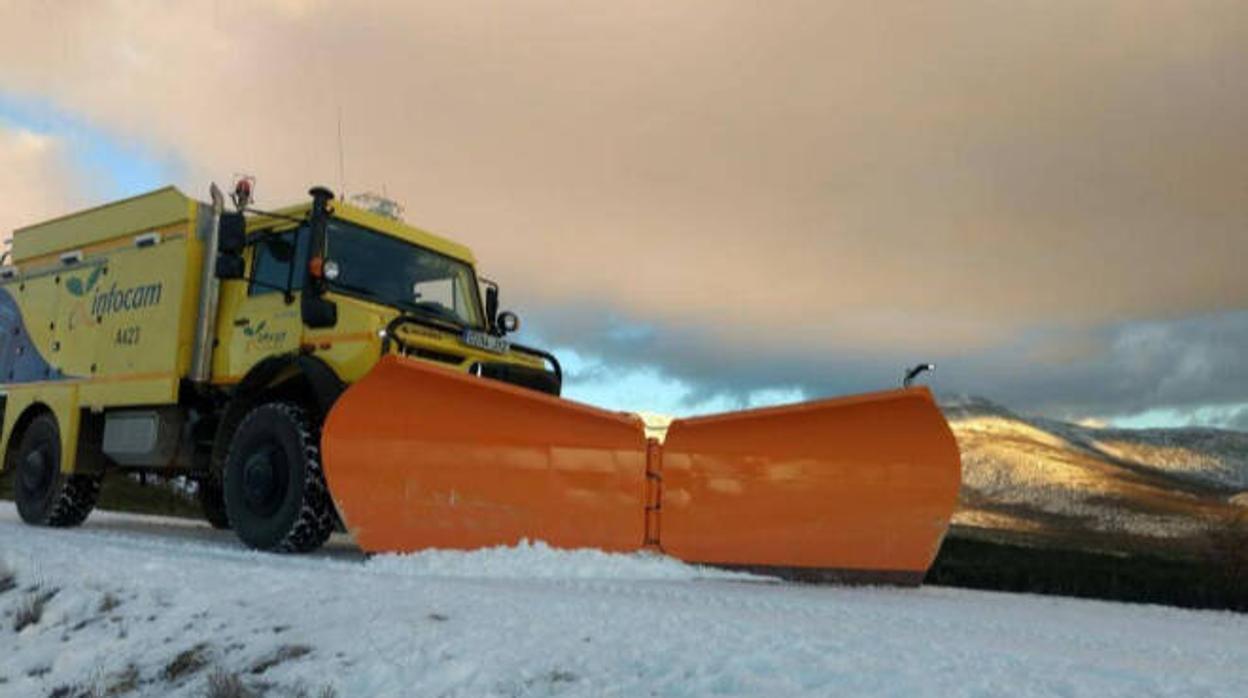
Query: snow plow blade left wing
x: 423, y: 457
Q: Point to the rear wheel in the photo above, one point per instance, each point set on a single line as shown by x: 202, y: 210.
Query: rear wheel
x: 46, y: 496
x: 274, y: 488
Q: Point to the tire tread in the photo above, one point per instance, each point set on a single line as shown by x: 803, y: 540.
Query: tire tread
x: 76, y: 500
x: 315, y: 521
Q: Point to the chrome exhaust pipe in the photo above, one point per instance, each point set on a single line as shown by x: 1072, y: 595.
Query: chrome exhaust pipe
x: 209, y: 293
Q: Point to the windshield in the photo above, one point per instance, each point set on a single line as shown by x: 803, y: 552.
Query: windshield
x: 397, y: 273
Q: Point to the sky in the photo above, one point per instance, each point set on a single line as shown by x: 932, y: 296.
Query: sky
x: 714, y: 204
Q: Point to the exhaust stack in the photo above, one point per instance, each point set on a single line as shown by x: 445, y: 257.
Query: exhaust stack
x: 209, y: 291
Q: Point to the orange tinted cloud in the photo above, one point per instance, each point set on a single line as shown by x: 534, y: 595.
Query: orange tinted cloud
x: 846, y: 177
x: 36, y: 177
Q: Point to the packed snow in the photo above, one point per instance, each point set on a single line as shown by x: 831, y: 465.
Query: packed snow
x: 155, y: 607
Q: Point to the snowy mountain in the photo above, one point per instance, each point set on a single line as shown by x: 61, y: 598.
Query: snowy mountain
x: 1095, y: 486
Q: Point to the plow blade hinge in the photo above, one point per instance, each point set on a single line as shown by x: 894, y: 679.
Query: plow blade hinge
x: 654, y: 492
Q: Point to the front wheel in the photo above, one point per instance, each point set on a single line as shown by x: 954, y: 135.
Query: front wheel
x: 46, y: 496
x: 274, y: 488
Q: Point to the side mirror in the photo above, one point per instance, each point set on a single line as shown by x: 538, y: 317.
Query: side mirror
x: 491, y: 306
x: 281, y: 250
x: 318, y: 312
x: 508, y: 322
x: 230, y: 266
x: 231, y: 233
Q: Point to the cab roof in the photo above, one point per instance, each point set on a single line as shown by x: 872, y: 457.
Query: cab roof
x: 383, y: 224
x: 168, y: 206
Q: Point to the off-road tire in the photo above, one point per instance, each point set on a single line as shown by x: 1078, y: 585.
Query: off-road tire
x: 274, y: 488
x: 211, y: 496
x: 45, y: 496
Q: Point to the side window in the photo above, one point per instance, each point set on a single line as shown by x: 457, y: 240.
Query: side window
x: 279, y: 262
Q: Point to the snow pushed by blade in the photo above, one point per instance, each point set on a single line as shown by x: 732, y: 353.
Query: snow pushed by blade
x: 537, y: 560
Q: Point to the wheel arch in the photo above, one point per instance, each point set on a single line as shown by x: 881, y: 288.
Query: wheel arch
x: 24, y: 403
x: 13, y: 434
x: 295, y: 377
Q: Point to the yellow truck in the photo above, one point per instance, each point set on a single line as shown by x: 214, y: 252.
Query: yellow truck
x: 163, y: 334
x: 322, y: 364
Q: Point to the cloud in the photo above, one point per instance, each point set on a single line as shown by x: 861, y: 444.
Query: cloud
x: 1238, y: 420
x: 105, y: 165
x: 36, y: 177
x: 1179, y: 366
x: 1184, y: 365
x: 806, y: 195
x: 1226, y: 416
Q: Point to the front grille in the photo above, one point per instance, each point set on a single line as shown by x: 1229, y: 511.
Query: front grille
x: 523, y: 376
x: 439, y: 356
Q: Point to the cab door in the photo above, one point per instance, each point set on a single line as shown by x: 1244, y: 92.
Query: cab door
x: 260, y: 314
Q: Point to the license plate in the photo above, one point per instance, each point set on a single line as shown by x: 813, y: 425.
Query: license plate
x: 485, y: 342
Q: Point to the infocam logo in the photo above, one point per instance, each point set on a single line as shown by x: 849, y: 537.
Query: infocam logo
x: 259, y: 337
x: 116, y: 300
x: 80, y: 287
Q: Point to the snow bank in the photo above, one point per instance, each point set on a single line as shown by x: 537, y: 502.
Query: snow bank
x: 537, y: 560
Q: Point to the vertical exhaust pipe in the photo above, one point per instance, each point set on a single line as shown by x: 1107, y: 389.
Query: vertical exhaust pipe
x: 209, y: 291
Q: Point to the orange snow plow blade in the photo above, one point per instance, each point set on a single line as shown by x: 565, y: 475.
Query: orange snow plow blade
x: 857, y: 489
x: 423, y: 457
x: 860, y: 488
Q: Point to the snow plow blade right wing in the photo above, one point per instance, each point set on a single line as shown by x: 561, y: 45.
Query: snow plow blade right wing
x: 856, y: 489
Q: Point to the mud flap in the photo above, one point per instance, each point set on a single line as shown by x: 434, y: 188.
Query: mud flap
x: 860, y: 488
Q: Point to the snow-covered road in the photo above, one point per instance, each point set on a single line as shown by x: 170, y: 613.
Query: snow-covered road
x: 139, y: 591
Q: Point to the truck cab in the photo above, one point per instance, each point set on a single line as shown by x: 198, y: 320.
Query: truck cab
x: 390, y: 286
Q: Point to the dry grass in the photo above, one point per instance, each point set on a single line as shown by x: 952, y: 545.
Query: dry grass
x: 160, y: 496
x: 226, y: 684
x: 8, y: 578
x: 1228, y: 555
x: 75, y: 692
x: 283, y: 654
x: 109, y: 602
x: 186, y: 663
x: 325, y: 692
x: 123, y: 682
x: 30, y: 609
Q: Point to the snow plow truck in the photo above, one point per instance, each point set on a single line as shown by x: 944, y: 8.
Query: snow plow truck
x: 323, y: 365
